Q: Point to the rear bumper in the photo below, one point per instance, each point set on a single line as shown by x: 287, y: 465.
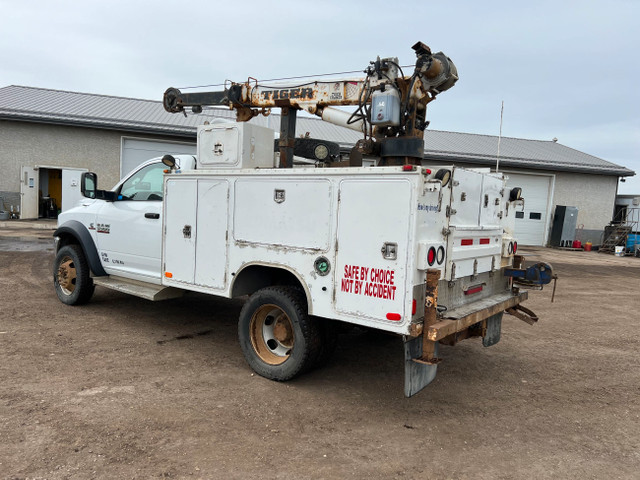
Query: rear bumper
x: 461, y: 318
x: 421, y: 352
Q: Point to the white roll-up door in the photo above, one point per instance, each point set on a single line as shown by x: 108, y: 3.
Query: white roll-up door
x: 532, y: 223
x: 138, y: 150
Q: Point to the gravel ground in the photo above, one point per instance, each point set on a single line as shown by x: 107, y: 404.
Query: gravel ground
x: 125, y: 388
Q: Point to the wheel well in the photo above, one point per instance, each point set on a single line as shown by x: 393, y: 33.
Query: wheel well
x: 67, y: 239
x: 254, y: 277
x: 74, y: 232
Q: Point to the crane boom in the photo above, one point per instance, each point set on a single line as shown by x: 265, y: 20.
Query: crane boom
x: 391, y: 107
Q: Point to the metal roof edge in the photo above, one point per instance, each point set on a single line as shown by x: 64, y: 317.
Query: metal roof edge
x: 534, y: 165
x: 149, y: 128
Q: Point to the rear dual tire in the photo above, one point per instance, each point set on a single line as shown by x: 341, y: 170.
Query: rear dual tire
x: 279, y: 339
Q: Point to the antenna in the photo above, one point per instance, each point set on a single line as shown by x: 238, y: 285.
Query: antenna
x: 499, y: 138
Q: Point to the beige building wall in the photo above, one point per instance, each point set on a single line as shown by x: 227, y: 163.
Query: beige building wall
x: 593, y: 195
x: 31, y: 144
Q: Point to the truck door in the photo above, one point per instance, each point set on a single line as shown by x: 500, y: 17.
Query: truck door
x: 373, y: 235
x: 129, y: 230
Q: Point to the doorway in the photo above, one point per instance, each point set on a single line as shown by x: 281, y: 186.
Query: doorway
x: 49, y: 192
x: 46, y: 191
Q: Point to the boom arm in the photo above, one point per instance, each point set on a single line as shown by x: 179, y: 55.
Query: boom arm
x: 396, y: 129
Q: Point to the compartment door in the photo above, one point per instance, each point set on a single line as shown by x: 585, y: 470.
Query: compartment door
x: 466, y: 194
x: 373, y: 215
x: 211, y: 244
x: 180, y: 231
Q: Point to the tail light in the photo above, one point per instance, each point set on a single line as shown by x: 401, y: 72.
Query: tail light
x: 431, y: 256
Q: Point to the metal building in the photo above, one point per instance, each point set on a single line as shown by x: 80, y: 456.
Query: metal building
x: 49, y: 137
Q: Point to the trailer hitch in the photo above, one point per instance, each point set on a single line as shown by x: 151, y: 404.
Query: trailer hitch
x: 523, y: 314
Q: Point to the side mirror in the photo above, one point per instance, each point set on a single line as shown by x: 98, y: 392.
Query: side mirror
x: 89, y: 188
x: 515, y: 194
x: 89, y: 184
x: 169, y: 161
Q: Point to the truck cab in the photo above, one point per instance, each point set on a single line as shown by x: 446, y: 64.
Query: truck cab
x: 124, y: 224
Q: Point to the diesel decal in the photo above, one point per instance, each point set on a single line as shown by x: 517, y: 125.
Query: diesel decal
x: 293, y: 93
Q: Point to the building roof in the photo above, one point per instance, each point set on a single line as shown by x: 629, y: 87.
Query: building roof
x: 130, y: 114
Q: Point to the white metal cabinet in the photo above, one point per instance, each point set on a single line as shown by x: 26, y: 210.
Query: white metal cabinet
x: 195, y: 237
x: 466, y: 191
x: 285, y: 212
x: 211, y: 242
x: 180, y: 234
x: 366, y: 283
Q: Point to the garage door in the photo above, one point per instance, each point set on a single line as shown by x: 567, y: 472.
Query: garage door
x: 532, y: 223
x: 136, y: 151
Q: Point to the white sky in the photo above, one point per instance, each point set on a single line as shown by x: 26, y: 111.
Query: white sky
x: 565, y: 69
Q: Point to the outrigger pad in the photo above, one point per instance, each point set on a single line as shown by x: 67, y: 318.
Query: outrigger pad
x: 417, y: 375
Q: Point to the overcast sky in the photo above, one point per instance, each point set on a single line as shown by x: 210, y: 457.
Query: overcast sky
x: 565, y: 69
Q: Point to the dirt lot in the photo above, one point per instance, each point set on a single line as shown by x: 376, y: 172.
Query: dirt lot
x: 125, y: 388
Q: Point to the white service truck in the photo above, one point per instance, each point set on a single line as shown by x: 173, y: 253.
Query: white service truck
x: 425, y: 252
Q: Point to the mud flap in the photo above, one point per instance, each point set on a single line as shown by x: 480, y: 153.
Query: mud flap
x: 417, y: 374
x: 494, y: 327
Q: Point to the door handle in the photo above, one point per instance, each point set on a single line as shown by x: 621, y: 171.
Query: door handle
x: 152, y: 215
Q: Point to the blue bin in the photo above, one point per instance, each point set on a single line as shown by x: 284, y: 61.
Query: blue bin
x: 632, y: 240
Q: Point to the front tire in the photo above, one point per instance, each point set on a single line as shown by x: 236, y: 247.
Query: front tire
x: 277, y: 336
x: 71, y: 276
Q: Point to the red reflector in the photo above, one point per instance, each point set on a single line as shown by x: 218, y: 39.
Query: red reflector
x: 466, y: 241
x: 427, y: 171
x: 413, y: 307
x: 473, y: 290
x: 408, y: 168
x: 431, y: 256
x: 394, y: 316
x: 515, y: 247
x: 485, y: 241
